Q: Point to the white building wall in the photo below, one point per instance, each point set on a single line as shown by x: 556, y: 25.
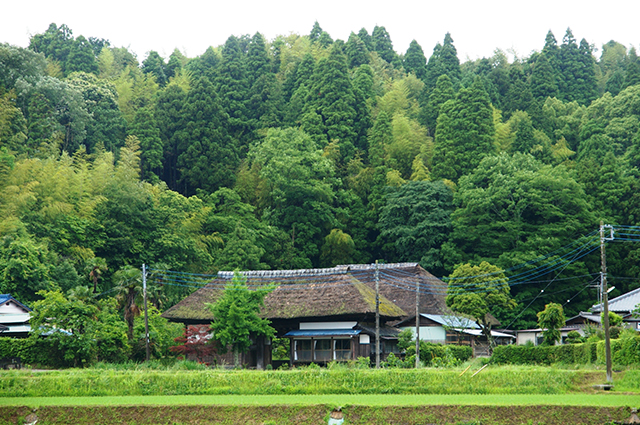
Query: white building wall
x: 430, y: 333
x: 11, y: 308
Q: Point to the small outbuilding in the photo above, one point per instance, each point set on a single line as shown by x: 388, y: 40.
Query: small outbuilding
x: 452, y: 329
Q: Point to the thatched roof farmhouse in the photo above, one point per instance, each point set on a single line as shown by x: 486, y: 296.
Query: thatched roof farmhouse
x: 321, y: 309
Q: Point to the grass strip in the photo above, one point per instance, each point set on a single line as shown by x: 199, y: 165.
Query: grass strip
x: 598, y: 400
x: 78, y: 382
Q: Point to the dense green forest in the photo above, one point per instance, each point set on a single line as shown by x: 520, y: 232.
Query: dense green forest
x: 304, y: 151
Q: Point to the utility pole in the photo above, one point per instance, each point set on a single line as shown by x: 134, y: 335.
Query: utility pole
x: 146, y: 315
x: 605, y: 300
x: 377, y: 316
x: 418, y: 323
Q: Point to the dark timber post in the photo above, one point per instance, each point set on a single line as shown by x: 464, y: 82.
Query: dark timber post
x: 146, y: 315
x: 605, y: 303
x: 377, y: 316
x: 418, y: 323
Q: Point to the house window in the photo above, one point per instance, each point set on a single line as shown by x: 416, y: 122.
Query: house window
x: 302, y: 350
x: 390, y: 346
x: 342, y: 349
x: 322, y: 351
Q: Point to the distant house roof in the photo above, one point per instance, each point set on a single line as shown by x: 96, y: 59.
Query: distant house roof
x: 445, y: 320
x: 583, y: 318
x: 7, y: 299
x: 625, y: 303
x: 345, y: 291
x: 478, y: 332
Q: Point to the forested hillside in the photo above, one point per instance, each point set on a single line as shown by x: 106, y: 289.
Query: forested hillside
x: 304, y: 151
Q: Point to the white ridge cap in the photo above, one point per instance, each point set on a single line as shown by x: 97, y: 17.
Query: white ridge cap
x: 340, y: 269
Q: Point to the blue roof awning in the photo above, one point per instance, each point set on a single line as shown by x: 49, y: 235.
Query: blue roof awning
x: 323, y: 332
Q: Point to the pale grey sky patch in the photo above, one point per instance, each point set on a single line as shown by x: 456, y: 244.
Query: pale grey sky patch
x: 478, y: 28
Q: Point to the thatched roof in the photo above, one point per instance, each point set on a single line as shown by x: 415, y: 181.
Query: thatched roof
x: 342, y: 291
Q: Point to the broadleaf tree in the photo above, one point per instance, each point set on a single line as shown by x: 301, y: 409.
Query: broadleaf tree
x: 476, y: 291
x: 237, y: 317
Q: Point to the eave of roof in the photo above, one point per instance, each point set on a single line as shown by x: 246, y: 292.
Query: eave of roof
x: 323, y: 333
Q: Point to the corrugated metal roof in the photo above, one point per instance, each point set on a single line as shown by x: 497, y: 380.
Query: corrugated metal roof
x: 324, y: 332
x: 452, y: 321
x: 623, y: 303
x: 476, y: 332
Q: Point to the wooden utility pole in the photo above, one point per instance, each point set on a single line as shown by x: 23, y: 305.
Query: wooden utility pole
x: 146, y: 315
x: 605, y: 303
x: 377, y: 316
x: 418, y: 323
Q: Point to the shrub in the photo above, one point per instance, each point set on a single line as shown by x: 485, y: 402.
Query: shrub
x: 574, y: 337
x: 447, y: 359
x: 430, y: 351
x: 26, y: 349
x: 363, y: 363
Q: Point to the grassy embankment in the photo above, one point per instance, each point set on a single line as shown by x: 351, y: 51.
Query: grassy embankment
x: 504, y: 395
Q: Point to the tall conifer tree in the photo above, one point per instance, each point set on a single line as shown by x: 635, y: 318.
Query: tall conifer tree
x: 356, y: 51
x: 464, y: 133
x: 208, y: 156
x: 415, y: 61
x: 333, y: 99
x: 232, y: 87
x: 382, y: 44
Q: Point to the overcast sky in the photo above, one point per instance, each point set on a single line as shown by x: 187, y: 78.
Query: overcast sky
x: 478, y: 27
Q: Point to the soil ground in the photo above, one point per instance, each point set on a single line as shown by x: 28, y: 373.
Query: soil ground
x: 315, y: 415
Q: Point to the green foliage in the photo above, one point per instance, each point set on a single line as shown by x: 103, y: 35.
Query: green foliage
x: 76, y: 333
x: 29, y: 350
x: 338, y: 248
x: 550, y: 320
x: 236, y: 319
x: 190, y: 378
x: 154, y: 65
x: 511, y: 209
x: 464, y: 133
x: 395, y: 362
x: 574, y: 337
x: 162, y: 335
x: 415, y: 221
x: 299, y: 194
x: 440, y: 355
x: 415, y: 61
x: 405, y: 340
x: 447, y: 360
x: 477, y: 291
x: 584, y: 354
x: 614, y: 318
x: 206, y: 153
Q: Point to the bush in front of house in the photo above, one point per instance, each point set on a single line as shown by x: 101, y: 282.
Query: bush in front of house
x: 430, y: 352
x: 26, y: 349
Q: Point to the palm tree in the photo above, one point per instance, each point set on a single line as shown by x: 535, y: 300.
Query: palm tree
x: 128, y: 285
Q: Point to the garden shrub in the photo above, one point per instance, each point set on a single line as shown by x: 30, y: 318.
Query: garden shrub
x: 430, y: 351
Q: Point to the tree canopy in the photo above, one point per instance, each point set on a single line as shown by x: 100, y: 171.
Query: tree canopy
x: 309, y: 151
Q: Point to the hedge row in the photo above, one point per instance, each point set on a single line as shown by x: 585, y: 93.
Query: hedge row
x: 23, y: 348
x: 624, y: 352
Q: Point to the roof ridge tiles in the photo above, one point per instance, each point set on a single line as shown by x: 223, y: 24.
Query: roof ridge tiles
x: 340, y: 269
